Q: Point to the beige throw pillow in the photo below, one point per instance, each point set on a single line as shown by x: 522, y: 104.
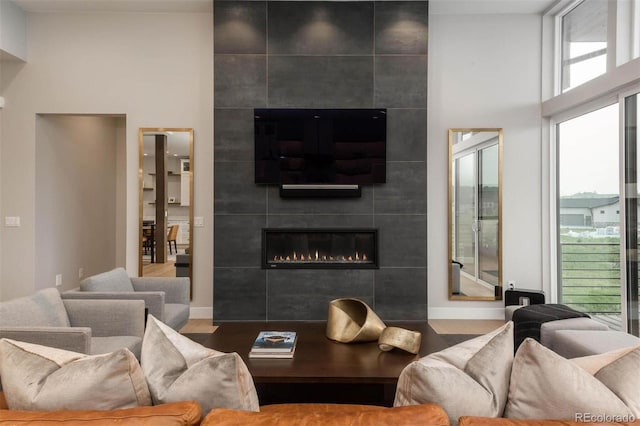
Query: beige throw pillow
x: 471, y: 378
x: 36, y: 377
x: 620, y: 372
x: 179, y: 369
x: 594, y: 363
x: 546, y: 385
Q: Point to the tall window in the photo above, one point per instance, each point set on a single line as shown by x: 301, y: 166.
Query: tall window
x: 589, y: 227
x: 584, y: 43
x: 598, y: 158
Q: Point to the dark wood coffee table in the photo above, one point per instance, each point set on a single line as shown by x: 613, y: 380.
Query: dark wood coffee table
x: 321, y: 370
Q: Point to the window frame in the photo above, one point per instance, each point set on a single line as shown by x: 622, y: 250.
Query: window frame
x: 624, y: 261
x: 623, y: 36
x: 603, y: 102
x: 567, y: 8
x: 621, y: 79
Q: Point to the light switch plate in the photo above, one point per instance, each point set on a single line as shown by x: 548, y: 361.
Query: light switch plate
x: 12, y: 221
x: 198, y: 221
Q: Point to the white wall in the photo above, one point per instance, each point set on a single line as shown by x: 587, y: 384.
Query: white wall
x: 75, y: 197
x: 154, y: 69
x: 484, y: 71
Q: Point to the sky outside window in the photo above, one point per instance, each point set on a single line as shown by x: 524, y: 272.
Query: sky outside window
x: 588, y: 153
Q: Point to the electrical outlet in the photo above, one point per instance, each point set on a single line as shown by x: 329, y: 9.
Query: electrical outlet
x: 511, y: 284
x: 80, y: 272
x: 58, y: 280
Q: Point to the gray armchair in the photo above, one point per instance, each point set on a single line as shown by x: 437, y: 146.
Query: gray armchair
x: 86, y: 326
x: 167, y: 299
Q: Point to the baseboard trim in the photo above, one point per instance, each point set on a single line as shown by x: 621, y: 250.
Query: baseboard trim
x: 466, y: 313
x: 201, y: 312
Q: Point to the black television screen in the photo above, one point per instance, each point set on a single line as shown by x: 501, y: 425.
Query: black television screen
x: 320, y: 146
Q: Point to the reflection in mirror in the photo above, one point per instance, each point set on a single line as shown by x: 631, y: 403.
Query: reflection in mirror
x: 166, y: 200
x: 475, y: 206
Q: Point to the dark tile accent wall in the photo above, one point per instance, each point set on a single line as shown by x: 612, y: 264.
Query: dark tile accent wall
x: 320, y: 81
x: 315, y: 28
x: 301, y: 54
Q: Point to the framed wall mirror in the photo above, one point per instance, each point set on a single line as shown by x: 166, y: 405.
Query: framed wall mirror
x: 475, y: 214
x: 166, y: 202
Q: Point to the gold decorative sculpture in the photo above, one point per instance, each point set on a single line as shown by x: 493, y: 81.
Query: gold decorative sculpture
x: 352, y: 320
x: 396, y: 337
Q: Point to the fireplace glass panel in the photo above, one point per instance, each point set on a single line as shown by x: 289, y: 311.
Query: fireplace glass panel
x: 319, y: 248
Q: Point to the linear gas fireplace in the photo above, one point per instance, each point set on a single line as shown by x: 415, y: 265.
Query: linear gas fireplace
x: 320, y: 248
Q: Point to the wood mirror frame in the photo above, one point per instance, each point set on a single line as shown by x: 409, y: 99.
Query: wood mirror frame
x: 168, y: 178
x: 475, y: 214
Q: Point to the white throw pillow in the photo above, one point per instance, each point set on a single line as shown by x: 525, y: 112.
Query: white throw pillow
x: 36, y: 377
x: 546, y: 385
x: 179, y: 369
x: 468, y: 379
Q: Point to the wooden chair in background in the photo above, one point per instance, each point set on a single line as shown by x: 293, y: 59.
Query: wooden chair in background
x: 171, y: 238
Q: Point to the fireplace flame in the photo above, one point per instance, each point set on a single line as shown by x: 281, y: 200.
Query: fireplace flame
x: 318, y: 257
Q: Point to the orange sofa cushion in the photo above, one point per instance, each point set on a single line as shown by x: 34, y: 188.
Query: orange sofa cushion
x: 487, y: 421
x: 173, y: 414
x: 329, y: 415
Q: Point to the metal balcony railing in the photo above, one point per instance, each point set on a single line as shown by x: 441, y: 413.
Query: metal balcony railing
x: 590, y: 279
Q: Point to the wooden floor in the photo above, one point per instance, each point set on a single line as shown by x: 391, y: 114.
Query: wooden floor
x: 167, y: 269
x: 199, y: 326
x: 440, y: 326
x: 465, y: 326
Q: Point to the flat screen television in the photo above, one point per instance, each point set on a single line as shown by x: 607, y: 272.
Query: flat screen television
x: 320, y: 146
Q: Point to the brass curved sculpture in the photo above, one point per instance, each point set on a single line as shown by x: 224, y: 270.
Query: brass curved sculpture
x: 352, y: 320
x: 396, y: 337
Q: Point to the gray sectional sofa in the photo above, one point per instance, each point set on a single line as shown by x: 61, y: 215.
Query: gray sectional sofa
x: 579, y: 343
x: 167, y: 299
x: 578, y: 337
x: 85, y: 326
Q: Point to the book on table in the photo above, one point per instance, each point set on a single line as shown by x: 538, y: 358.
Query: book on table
x: 272, y: 355
x: 274, y: 344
